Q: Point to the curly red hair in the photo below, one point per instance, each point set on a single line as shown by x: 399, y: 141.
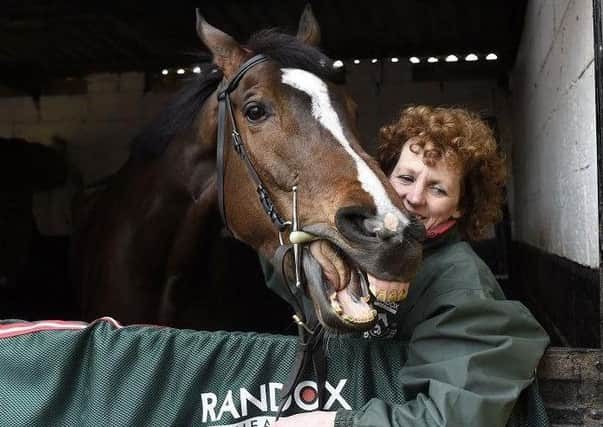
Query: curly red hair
x: 467, y: 144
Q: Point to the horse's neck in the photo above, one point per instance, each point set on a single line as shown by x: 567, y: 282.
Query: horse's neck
x: 156, y: 198
x: 192, y: 153
x: 191, y: 189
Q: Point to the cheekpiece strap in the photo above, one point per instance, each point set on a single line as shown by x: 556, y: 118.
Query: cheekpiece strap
x: 225, y: 107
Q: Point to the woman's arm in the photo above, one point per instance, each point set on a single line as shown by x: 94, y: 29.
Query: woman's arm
x: 467, y: 364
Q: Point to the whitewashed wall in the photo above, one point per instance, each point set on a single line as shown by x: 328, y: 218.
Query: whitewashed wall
x: 381, y: 90
x: 100, y: 123
x: 554, y: 139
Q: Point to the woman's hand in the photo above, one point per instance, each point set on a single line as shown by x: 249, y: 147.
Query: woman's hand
x: 314, y: 419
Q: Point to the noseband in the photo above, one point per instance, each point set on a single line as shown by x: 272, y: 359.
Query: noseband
x: 310, y: 339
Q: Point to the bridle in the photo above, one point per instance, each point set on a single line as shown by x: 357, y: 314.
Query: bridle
x: 310, y: 336
x: 225, y: 107
x: 296, y: 236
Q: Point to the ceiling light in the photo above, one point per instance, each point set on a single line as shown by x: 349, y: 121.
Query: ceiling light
x: 180, y: 71
x: 164, y: 72
x: 197, y: 70
x: 432, y: 59
x: 394, y: 59
x: 338, y: 64
x: 452, y: 58
x: 414, y: 60
x: 356, y: 61
x: 471, y: 57
x: 491, y: 57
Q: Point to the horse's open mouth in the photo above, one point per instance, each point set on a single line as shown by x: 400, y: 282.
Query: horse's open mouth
x: 340, y: 292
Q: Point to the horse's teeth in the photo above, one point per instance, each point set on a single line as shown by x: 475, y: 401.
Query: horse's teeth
x: 335, y: 304
x: 391, y: 295
x: 380, y: 294
x: 370, y: 317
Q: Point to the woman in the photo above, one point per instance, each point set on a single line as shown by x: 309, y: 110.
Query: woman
x: 470, y: 351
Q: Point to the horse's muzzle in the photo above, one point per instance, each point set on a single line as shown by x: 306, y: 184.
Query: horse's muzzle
x: 357, y: 224
x: 388, y: 246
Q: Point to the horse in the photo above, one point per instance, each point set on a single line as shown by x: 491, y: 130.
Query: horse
x: 295, y: 170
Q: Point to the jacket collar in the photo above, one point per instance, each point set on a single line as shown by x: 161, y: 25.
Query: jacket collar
x: 451, y: 236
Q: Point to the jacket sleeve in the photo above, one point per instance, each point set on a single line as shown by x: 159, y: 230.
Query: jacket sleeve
x: 468, y: 361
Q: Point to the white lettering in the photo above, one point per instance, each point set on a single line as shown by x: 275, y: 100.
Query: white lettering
x: 336, y: 395
x: 305, y: 396
x: 261, y: 404
x: 256, y: 421
x: 272, y: 388
x: 208, y: 402
x: 228, y: 406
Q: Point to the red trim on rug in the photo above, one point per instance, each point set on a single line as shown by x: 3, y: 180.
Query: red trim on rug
x: 10, y: 330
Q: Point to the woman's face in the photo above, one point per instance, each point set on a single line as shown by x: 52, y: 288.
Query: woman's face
x: 432, y: 193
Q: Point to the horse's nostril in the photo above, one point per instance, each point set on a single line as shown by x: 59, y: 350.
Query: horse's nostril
x: 372, y: 225
x: 360, y: 224
x: 355, y: 223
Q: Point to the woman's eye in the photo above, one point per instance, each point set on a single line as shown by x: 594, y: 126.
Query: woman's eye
x: 439, y: 191
x: 255, y: 113
x: 406, y: 179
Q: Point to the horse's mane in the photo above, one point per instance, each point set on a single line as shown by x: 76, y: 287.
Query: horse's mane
x: 181, y: 112
x: 290, y: 52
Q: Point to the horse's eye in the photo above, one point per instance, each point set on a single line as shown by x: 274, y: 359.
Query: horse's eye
x: 255, y: 112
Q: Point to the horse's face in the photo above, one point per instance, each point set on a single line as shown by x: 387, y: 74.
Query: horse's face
x: 300, y: 130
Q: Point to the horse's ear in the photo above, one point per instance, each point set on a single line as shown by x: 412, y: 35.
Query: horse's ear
x: 227, y: 53
x: 308, y: 29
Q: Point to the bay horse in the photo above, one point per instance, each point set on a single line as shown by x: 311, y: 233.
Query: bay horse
x: 141, y: 239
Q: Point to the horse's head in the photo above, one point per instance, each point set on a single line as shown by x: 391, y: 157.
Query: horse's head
x: 299, y: 129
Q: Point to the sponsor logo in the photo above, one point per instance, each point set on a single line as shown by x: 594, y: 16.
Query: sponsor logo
x: 386, y: 326
x: 240, y: 404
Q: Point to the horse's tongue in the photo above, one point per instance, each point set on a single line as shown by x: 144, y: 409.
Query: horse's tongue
x: 388, y: 291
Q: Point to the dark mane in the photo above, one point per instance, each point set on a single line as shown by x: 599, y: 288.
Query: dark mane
x: 290, y: 52
x: 182, y: 111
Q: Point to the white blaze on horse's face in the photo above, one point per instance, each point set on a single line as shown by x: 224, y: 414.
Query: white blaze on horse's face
x: 325, y: 114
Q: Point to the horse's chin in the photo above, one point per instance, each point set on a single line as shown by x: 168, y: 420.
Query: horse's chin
x: 339, y: 292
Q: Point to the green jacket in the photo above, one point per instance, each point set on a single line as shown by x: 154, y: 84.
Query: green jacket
x: 469, y: 351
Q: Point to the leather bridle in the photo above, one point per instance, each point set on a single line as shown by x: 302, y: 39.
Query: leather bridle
x: 225, y: 107
x: 309, y: 348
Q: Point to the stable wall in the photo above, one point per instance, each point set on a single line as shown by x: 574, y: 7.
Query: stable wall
x: 382, y: 90
x: 555, y: 208
x: 554, y: 138
x: 97, y: 123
